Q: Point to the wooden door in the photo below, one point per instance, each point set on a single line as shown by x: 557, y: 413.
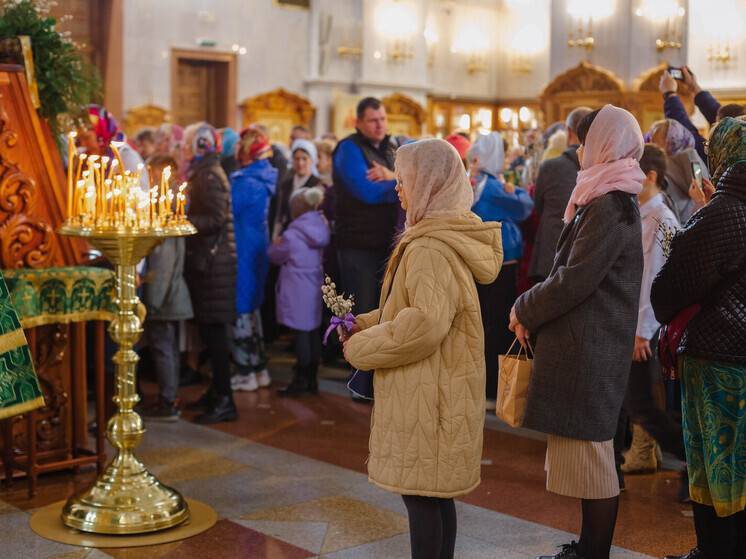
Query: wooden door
x: 203, y: 88
x: 192, y: 96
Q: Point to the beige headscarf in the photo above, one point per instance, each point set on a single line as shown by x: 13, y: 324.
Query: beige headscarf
x: 434, y: 180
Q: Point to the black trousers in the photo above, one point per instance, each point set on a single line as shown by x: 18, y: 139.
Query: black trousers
x: 308, y: 347
x: 432, y: 526
x: 640, y: 406
x: 496, y: 300
x: 720, y: 537
x: 215, y: 336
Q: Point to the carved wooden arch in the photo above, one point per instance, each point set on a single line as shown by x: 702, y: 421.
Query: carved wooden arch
x: 144, y: 116
x: 405, y: 115
x: 585, y: 84
x: 644, y: 99
x: 279, y: 110
x: 26, y: 237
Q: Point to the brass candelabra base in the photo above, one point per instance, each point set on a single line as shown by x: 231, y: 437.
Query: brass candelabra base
x: 126, y: 498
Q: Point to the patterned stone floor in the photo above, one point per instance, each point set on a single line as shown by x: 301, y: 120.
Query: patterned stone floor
x: 287, y: 481
x: 277, y: 504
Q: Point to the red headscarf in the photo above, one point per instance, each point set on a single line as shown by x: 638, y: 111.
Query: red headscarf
x: 252, y: 145
x: 104, y: 126
x: 461, y: 144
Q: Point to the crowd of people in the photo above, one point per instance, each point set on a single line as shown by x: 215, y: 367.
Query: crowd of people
x: 591, y: 243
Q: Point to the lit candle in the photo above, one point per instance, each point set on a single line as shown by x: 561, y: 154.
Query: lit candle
x: 108, y: 199
x: 115, y: 150
x: 114, y: 165
x: 70, y: 171
x: 77, y: 201
x: 153, y: 197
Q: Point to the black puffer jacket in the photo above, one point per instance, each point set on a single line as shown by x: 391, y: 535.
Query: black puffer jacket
x: 708, y: 266
x: 211, y: 254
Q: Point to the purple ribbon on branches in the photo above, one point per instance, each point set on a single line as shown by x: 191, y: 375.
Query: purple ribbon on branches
x: 347, y: 323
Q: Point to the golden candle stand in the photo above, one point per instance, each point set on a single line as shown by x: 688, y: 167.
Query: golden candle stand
x: 126, y: 498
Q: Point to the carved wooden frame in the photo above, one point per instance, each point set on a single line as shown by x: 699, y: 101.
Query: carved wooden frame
x: 278, y: 103
x: 402, y: 108
x: 584, y: 84
x: 144, y: 116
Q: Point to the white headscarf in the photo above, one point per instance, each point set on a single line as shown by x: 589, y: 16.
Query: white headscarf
x: 489, y: 149
x: 310, y: 148
x: 434, y: 180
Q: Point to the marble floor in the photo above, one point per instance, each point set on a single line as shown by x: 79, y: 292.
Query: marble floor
x: 287, y: 481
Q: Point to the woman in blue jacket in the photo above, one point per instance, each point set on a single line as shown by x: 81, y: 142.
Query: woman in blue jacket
x: 252, y: 188
x: 495, y: 200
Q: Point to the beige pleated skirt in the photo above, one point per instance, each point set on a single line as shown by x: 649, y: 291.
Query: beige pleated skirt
x: 581, y: 469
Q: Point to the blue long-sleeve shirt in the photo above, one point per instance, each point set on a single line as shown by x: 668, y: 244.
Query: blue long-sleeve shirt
x: 674, y: 108
x: 351, y: 166
x: 708, y: 106
x: 494, y: 204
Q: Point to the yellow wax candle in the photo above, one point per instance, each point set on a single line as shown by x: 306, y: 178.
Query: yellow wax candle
x: 70, y: 171
x: 76, y: 201
x: 115, y: 150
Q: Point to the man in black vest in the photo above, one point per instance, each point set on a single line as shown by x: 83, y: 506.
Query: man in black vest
x: 367, y: 204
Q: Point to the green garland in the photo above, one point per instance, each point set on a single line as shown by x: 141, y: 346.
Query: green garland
x: 67, y: 83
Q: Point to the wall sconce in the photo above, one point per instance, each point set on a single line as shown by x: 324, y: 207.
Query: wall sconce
x: 527, y: 42
x: 582, y: 13
x: 472, y: 40
x: 720, y: 53
x: 431, y: 38
x: 350, y: 44
x: 667, y: 13
x: 395, y: 22
x: 723, y: 21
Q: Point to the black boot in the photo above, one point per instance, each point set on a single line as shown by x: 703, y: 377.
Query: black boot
x: 223, y: 409
x: 693, y: 554
x: 567, y: 551
x: 204, y: 403
x: 299, y: 385
x: 313, y: 378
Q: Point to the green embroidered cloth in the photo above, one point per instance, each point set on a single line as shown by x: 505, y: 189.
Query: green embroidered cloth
x: 34, y: 297
x: 19, y: 387
x: 61, y: 295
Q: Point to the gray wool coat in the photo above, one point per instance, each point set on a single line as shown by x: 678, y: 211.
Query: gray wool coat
x: 554, y: 185
x: 583, y: 317
x: 165, y: 291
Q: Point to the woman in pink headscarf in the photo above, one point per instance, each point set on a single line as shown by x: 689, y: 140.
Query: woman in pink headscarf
x: 582, y: 321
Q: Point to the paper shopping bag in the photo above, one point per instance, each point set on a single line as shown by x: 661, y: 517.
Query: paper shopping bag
x: 512, y: 386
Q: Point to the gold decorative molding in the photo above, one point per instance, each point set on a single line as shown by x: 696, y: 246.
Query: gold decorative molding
x: 278, y: 102
x: 144, y: 116
x: 584, y: 77
x: 406, y: 116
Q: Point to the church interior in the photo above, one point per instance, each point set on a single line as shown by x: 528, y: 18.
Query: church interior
x: 103, y: 456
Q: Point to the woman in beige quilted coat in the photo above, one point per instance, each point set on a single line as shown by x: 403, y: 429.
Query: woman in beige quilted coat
x: 426, y: 345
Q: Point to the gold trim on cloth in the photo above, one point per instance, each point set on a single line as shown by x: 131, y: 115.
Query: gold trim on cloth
x: 18, y: 409
x: 12, y: 340
x: 19, y: 386
x: 61, y: 295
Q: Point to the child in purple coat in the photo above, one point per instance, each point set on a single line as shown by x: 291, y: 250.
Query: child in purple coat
x: 300, y: 253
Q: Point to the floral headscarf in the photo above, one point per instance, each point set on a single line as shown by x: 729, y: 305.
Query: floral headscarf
x: 168, y: 138
x: 252, y: 146
x: 203, y: 139
x: 104, y: 126
x: 727, y: 145
x: 678, y: 137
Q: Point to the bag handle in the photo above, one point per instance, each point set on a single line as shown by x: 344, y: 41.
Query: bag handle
x: 522, y: 349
